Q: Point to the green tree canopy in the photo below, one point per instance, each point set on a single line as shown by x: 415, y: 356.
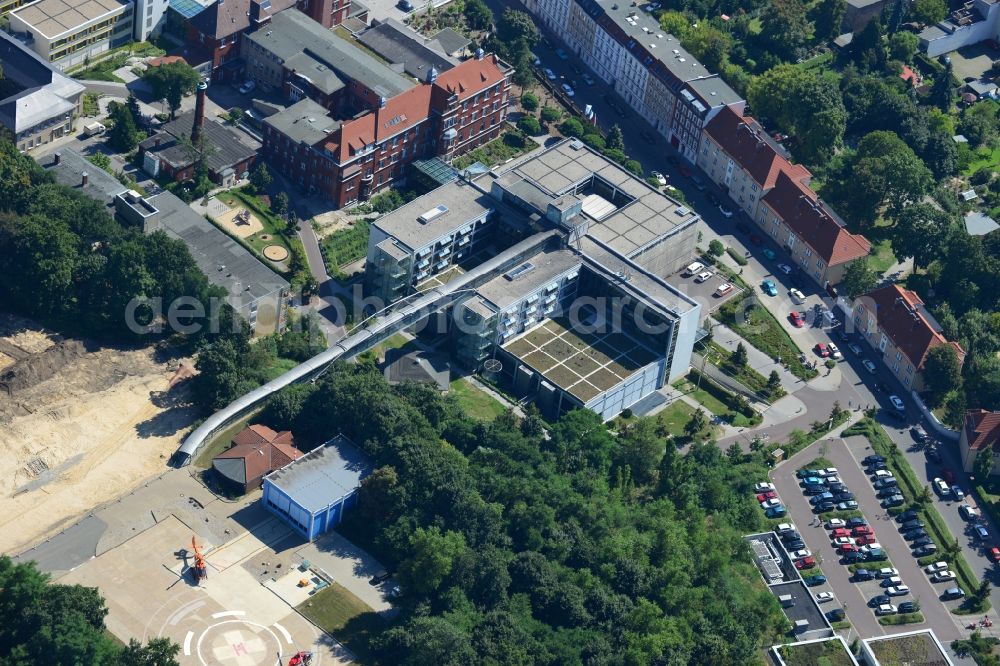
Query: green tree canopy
x: 859, y: 278
x: 903, y: 46
x: 477, y: 14
x: 942, y: 373
x: 785, y: 28
x: 123, y: 136
x: 827, y: 16
x: 887, y: 173
x: 171, y: 82
x: 929, y: 12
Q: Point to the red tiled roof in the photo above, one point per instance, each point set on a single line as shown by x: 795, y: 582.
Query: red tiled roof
x: 748, y: 144
x: 902, y: 318
x: 399, y: 113
x: 814, y: 223
x: 910, y: 76
x: 982, y: 429
x: 262, y: 450
x: 471, y: 77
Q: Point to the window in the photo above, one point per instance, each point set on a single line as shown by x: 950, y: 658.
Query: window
x: 809, y: 252
x: 882, y: 343
x: 899, y: 355
x: 909, y: 370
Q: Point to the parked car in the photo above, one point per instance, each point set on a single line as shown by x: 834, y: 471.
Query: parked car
x: 785, y: 268
x: 763, y: 497
x: 790, y: 535
x: 815, y: 489
x: 898, y: 403
x: 845, y: 496
x: 795, y: 545
x: 549, y: 74
x: 838, y: 488
x: 915, y: 534
x: 885, y: 609
x: 769, y: 253
x: 907, y: 516
x: 835, y: 353
x: 922, y: 541
x: 825, y: 497
x: 800, y: 554
x: 891, y: 581
x: 823, y: 597
x: 865, y: 540
x: 562, y: 54
x: 822, y: 350
x: 895, y: 500
x: 770, y: 503
x: 911, y: 525
x: 869, y: 366
x: 918, y: 433
x: 723, y: 290
x: 704, y: 276
x: 855, y: 349
x: 813, y: 581
x: 873, y: 458
x: 878, y: 600
x: 590, y: 81
x: 909, y: 607
x: 693, y: 269
x: 659, y: 178
x: 994, y: 554
x: 568, y: 90
x: 776, y: 512
x: 981, y: 533
x: 835, y: 523
x: 924, y: 551
x: 936, y: 567
x: 796, y: 319
x: 887, y: 492
x: 797, y: 296
x: 849, y: 505
x: 836, y: 615
x: 853, y: 558
x: 941, y: 487
x: 942, y: 576
x: 805, y: 563
x: 886, y: 482
x: 952, y: 593
x: 862, y: 529
x: 933, y: 453
x: 843, y: 541
x: 886, y: 572
x: 863, y: 574
x: 957, y: 493
x: 968, y: 512
x: 763, y: 486
x: 824, y: 507
x: 769, y: 288
x: 856, y: 522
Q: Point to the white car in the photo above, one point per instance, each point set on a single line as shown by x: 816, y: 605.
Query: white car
x: 724, y: 289
x: 725, y: 210
x: 886, y: 572
x: 830, y: 480
x: 898, y: 403
x: 854, y: 349
x: 869, y: 366
x: 799, y: 554
x: 770, y: 504
x: 705, y: 277
x: 968, y: 512
x: 874, y: 545
x: 835, y: 353
x: 829, y: 471
x: 694, y: 268
x: 823, y: 597
x: 763, y: 487
x: 784, y: 527
x: 897, y: 591
x: 247, y: 87
x: 942, y: 576
x: 843, y: 541
x: 936, y: 567
x: 885, y: 609
x: 797, y: 296
x: 834, y: 523
x: 549, y: 74
x: 659, y: 178
x: 567, y: 89
x: 785, y: 268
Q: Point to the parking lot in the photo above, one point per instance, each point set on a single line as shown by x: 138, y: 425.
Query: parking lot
x: 703, y: 292
x: 854, y: 596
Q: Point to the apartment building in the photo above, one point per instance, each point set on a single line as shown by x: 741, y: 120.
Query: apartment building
x: 738, y: 156
x: 39, y: 104
x: 981, y: 432
x: 895, y: 322
x: 649, y: 68
x: 68, y: 34
x: 815, y: 238
x: 150, y: 17
x: 380, y: 121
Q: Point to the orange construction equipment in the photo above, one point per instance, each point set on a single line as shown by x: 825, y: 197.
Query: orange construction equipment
x: 200, y: 569
x: 301, y: 659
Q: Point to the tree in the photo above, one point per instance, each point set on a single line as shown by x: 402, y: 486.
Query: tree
x: 171, y: 82
x: 157, y: 652
x: 571, y: 127
x: 615, y: 140
x: 954, y: 409
x: 942, y: 93
x: 739, y: 358
x: 133, y: 107
x: 709, y: 45
x: 529, y: 101
x: 921, y: 232
x: 867, y: 49
x: 886, y: 172
x: 903, y: 46
x: 261, y: 178
x: 942, y: 373
x: 773, y: 383
x: 550, y: 114
x: 929, y: 12
x: 641, y: 450
x: 675, y: 23
x: 983, y: 465
x: 477, y: 14
x: 523, y: 61
x: 101, y: 161
x: 433, y: 553
x: 517, y: 26
x: 979, y: 122
x: 696, y: 423
x: 529, y: 125
x: 123, y: 135
x: 235, y: 116
x: 716, y: 248
x: 859, y: 278
x: 785, y: 29
x: 827, y: 16
x: 279, y: 204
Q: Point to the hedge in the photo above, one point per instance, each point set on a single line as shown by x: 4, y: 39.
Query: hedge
x: 737, y: 256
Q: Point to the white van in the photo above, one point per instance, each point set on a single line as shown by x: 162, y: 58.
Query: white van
x: 693, y: 269
x: 94, y: 128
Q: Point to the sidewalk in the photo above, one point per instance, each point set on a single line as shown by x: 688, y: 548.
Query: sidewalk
x: 758, y: 360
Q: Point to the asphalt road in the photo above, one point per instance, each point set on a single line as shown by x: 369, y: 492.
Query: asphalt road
x: 68, y: 549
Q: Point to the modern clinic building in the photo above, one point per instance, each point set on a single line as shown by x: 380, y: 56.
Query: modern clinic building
x: 68, y: 33
x: 585, y: 319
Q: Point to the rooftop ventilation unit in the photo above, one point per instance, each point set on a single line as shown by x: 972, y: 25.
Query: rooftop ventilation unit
x: 432, y: 214
x: 523, y: 269
x: 576, y: 145
x: 681, y: 211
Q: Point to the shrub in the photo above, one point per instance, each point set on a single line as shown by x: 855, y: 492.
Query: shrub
x: 634, y: 166
x: 529, y: 125
x: 571, y: 127
x: 737, y: 256
x: 550, y: 114
x: 529, y: 101
x: 716, y: 248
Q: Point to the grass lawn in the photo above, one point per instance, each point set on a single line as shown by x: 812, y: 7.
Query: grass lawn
x: 759, y: 327
x: 476, y: 403
x: 750, y: 378
x: 984, y: 157
x: 90, y: 106
x: 674, y: 416
x: 704, y: 398
x: 221, y: 442
x: 509, y: 144
x: 342, y: 615
x: 345, y: 246
x: 828, y: 653
x: 279, y: 367
x: 882, y: 256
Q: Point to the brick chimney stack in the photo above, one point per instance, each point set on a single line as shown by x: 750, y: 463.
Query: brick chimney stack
x: 199, y: 112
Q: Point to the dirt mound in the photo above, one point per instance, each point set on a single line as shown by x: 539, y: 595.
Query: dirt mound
x: 33, y: 369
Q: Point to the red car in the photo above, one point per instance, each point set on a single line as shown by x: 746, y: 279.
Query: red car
x: 995, y: 554
x: 847, y: 548
x: 840, y: 532
x: 796, y: 319
x: 763, y: 497
x: 861, y: 530
x: 822, y: 350
x: 805, y: 563
x: 866, y: 539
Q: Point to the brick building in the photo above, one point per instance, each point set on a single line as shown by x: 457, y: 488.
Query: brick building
x: 895, y: 322
x: 981, y: 432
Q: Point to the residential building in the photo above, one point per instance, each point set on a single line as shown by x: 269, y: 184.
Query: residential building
x: 256, y: 292
x: 382, y: 120
x: 814, y: 236
x: 37, y: 103
x: 655, y: 75
x: 255, y: 452
x: 859, y: 13
x: 172, y: 152
x: 401, y: 45
x: 895, y: 322
x: 68, y: 34
x: 738, y: 156
x: 588, y: 292
x: 980, y: 432
x: 312, y: 493
x: 150, y: 17
x: 973, y: 22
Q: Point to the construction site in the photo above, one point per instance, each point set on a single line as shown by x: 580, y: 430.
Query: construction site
x: 82, y: 423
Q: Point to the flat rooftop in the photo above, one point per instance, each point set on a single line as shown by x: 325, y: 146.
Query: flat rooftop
x: 101, y: 185
x: 303, y: 122
x: 538, y: 271
x: 913, y: 648
x: 52, y: 18
x: 805, y: 607
x: 462, y: 201
x: 582, y: 364
x: 324, y: 475
x: 624, y: 212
